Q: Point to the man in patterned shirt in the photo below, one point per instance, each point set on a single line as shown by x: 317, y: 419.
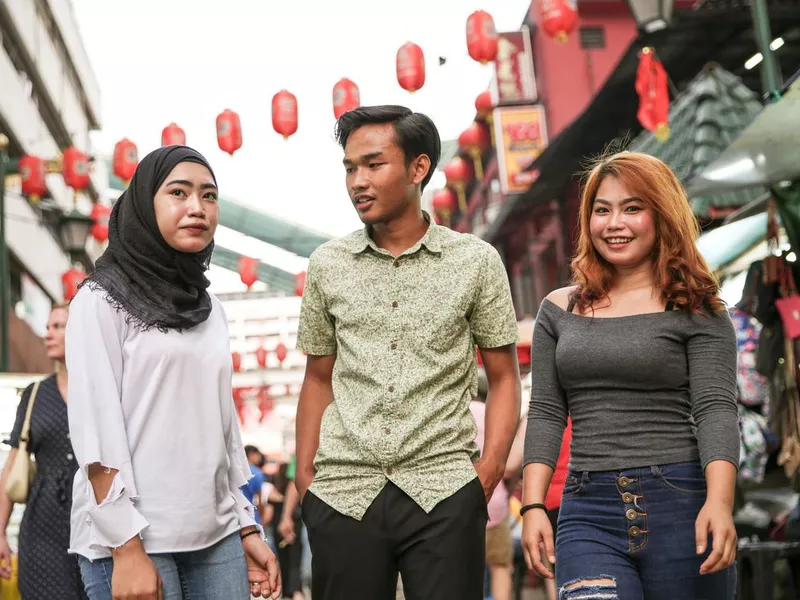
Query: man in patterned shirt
x: 388, y: 472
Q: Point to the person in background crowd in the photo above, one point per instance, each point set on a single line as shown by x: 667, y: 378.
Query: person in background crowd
x: 252, y: 489
x: 390, y: 319
x: 44, y: 568
x: 499, y: 544
x: 641, y: 353
x: 157, y: 506
x: 553, y: 498
x: 287, y: 533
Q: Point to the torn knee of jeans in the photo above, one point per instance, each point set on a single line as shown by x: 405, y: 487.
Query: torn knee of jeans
x: 602, y: 587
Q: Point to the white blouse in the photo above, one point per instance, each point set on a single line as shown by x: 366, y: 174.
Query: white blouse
x: 157, y: 407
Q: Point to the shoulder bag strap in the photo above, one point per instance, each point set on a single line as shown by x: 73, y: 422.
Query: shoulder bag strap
x: 26, y: 425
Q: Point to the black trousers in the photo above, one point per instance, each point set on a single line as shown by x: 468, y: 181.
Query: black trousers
x: 440, y: 554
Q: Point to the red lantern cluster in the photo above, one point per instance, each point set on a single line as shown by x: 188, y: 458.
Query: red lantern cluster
x: 651, y: 85
x: 284, y: 113
x: 481, y: 37
x: 410, y: 67
x: 76, y: 169
x: 172, y: 135
x: 229, y: 131
x: 126, y: 159
x: 445, y: 203
x: 100, y: 215
x: 236, y: 361
x: 248, y: 270
x: 265, y: 403
x: 484, y: 105
x: 458, y: 173
x: 346, y: 97
x: 70, y: 281
x: 476, y: 140
x: 33, y: 171
x: 558, y: 17
x: 299, y: 283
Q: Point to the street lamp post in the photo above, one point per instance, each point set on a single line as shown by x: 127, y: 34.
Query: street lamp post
x: 74, y: 231
x: 5, y: 278
x: 651, y: 15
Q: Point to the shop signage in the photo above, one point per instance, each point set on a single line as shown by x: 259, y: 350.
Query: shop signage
x: 521, y: 135
x: 514, y: 80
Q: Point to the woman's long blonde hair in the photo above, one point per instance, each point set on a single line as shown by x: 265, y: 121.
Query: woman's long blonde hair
x: 679, y: 270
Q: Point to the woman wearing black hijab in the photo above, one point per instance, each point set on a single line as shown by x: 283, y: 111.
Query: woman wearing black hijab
x: 157, y: 511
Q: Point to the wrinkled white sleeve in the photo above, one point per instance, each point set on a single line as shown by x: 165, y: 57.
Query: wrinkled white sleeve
x: 97, y: 428
x: 238, y: 469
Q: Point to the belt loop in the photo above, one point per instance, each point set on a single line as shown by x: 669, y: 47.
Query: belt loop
x: 656, y: 470
x: 584, y: 477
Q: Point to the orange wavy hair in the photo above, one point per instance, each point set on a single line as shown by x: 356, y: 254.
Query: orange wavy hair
x: 679, y: 270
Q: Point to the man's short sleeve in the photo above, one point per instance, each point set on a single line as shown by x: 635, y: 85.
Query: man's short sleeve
x: 493, y: 321
x: 316, y: 334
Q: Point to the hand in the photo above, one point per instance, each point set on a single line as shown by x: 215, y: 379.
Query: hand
x: 286, y: 529
x: 537, y: 538
x: 262, y: 568
x: 135, y: 576
x: 5, y: 559
x: 716, y: 519
x: 490, y: 474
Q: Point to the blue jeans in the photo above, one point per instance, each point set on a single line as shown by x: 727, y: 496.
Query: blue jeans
x: 210, y: 574
x: 636, y: 528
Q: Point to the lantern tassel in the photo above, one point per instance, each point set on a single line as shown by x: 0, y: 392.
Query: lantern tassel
x: 462, y: 199
x: 490, y: 123
x: 662, y: 132
x: 476, y: 160
x: 561, y: 37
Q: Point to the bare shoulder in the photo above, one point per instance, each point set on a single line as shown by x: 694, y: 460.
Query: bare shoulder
x: 561, y: 296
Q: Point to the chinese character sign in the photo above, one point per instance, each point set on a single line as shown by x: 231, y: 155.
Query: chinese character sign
x: 521, y: 134
x: 514, y: 80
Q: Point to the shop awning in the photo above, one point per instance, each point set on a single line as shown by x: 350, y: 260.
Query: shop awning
x: 725, y: 244
x: 765, y: 153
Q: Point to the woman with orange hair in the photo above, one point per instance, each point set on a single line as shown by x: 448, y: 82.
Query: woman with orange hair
x: 641, y: 354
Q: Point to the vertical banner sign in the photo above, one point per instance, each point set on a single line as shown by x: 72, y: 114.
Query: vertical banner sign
x: 521, y: 134
x: 514, y: 79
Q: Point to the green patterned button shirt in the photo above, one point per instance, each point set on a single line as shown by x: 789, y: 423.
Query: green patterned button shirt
x: 404, y: 332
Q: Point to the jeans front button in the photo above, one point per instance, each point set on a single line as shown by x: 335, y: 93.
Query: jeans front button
x: 624, y: 481
x: 627, y: 497
x: 634, y: 531
x: 630, y: 514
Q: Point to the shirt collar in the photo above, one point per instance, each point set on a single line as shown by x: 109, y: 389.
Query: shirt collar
x: 431, y: 240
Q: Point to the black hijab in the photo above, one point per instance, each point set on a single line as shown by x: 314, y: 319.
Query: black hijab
x: 155, y: 284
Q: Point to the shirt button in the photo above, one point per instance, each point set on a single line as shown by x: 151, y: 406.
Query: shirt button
x: 69, y: 456
x: 394, y: 345
x: 389, y: 470
x: 394, y: 304
x: 387, y: 431
x: 396, y: 264
x: 391, y: 388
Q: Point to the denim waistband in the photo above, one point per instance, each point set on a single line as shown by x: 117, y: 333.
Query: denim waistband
x: 684, y: 468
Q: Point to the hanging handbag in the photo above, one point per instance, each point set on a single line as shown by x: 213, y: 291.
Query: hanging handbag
x: 789, y: 304
x: 789, y: 455
x: 22, y: 472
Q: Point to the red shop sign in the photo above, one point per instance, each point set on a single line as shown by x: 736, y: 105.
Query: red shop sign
x: 514, y: 79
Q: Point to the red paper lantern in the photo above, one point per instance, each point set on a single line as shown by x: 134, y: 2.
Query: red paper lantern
x: 558, y: 18
x: 248, y: 270
x: 481, y: 37
x: 126, y: 158
x: 261, y: 356
x: 265, y: 403
x: 445, y: 203
x: 484, y: 105
x: 458, y: 173
x: 346, y: 97
x: 299, y: 283
x: 70, y: 281
x: 100, y: 214
x: 34, y: 172
x: 410, y: 67
x: 229, y: 131
x: 76, y: 169
x: 172, y: 135
x: 476, y: 140
x: 281, y: 352
x: 651, y: 85
x: 236, y: 359
x: 284, y: 113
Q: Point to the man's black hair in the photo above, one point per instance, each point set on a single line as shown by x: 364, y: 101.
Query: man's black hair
x: 416, y: 134
x: 251, y: 449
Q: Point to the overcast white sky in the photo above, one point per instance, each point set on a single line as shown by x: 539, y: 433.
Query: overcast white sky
x: 186, y: 61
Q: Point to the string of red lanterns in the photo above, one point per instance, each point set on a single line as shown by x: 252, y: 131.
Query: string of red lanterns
x: 229, y: 131
x: 126, y: 159
x: 410, y: 66
x: 481, y: 37
x: 458, y: 174
x: 284, y: 113
x: 445, y: 203
x: 248, y: 270
x: 346, y: 97
x: 172, y: 135
x: 475, y: 140
x: 558, y: 18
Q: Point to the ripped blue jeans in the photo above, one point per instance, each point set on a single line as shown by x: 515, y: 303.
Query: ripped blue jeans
x: 630, y: 535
